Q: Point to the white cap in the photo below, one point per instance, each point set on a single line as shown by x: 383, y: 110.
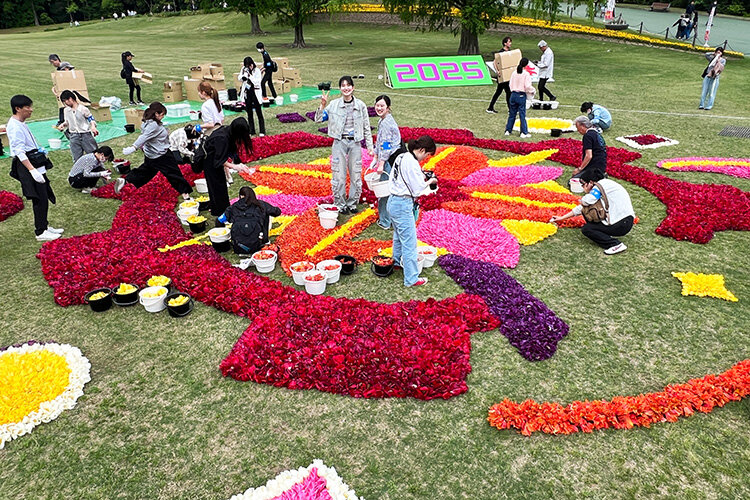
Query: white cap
x: 541, y: 43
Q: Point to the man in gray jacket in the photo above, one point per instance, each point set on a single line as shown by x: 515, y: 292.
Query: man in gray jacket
x: 348, y: 124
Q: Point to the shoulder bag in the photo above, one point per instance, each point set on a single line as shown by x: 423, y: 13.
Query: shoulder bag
x: 599, y: 211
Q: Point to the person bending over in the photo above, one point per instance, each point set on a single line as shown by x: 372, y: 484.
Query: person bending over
x: 600, y: 116
x: 89, y: 168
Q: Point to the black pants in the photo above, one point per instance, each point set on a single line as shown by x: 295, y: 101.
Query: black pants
x: 602, y: 234
x: 251, y: 103
x: 543, y: 90
x: 501, y: 87
x: 167, y: 165
x: 132, y: 86
x: 216, y: 182
x: 39, y: 194
x: 80, y: 181
x: 267, y: 79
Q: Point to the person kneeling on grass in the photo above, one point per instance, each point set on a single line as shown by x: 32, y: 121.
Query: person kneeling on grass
x: 600, y: 116
x: 182, y: 143
x: 154, y: 140
x: 250, y: 223
x: 89, y: 168
x: 620, y: 214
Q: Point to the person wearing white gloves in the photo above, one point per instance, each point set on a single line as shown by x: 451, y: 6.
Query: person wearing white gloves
x: 154, y: 140
x: 89, y: 169
x: 29, y: 166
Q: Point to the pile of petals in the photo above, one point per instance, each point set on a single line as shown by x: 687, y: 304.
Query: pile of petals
x: 310, y: 115
x: 647, y: 141
x: 39, y: 380
x: 291, y: 117
x: 291, y: 204
x: 10, y: 204
x: 625, y: 412
x: 530, y: 326
x: 736, y: 167
x: 545, y: 125
x: 314, y: 482
x: 704, y: 285
x: 529, y: 232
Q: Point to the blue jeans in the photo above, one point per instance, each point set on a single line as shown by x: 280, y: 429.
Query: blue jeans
x: 384, y: 219
x: 401, y: 210
x: 517, y: 106
x: 710, y: 87
x: 601, y: 124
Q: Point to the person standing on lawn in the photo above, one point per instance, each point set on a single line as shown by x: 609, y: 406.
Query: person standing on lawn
x: 711, y: 78
x: 348, y: 124
x: 252, y: 78
x: 89, y: 169
x: 29, y: 166
x: 154, y: 141
x: 520, y: 87
x: 80, y: 124
x: 127, y: 74
x: 59, y: 65
x: 211, y: 112
x: 387, y: 143
x: 546, y: 67
x: 620, y: 213
x: 501, y: 86
x: 594, y: 150
x: 268, y: 69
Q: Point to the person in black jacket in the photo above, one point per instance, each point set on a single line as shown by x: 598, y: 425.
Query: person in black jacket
x: 250, y: 223
x: 224, y: 143
x: 127, y: 73
x: 267, y: 71
x: 501, y: 86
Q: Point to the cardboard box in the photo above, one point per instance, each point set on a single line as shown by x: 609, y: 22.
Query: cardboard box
x: 295, y: 83
x: 144, y: 77
x: 191, y: 89
x: 172, y: 91
x: 4, y: 141
x: 206, y: 70
x: 282, y: 86
x: 282, y: 62
x: 216, y: 70
x: 69, y: 80
x: 507, y: 62
x: 134, y: 116
x: 217, y: 83
x: 101, y: 113
x: 196, y: 73
x: 290, y: 73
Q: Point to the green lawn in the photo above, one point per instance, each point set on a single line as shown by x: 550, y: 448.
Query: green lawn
x: 159, y: 421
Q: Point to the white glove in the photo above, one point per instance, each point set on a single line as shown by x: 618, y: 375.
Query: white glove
x: 128, y: 150
x: 37, y: 176
x: 106, y: 174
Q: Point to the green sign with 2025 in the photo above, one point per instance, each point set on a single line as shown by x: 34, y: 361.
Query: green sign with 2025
x: 413, y: 72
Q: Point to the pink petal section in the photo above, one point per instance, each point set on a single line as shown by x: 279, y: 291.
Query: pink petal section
x: 514, y: 176
x: 743, y: 172
x: 478, y: 239
x: 313, y: 487
x: 290, y: 204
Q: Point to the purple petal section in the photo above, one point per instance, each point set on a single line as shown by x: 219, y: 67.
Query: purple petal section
x: 529, y: 325
x: 310, y: 115
x: 290, y: 117
x: 371, y: 111
x: 323, y: 130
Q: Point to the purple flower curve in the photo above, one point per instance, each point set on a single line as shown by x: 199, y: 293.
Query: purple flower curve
x: 290, y: 117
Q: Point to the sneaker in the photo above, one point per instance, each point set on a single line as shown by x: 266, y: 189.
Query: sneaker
x: 132, y: 103
x: 491, y: 111
x: 553, y: 98
x: 353, y: 210
x: 525, y: 136
x: 55, y: 230
x: 616, y: 249
x: 47, y: 235
x: 701, y: 107
x: 507, y: 133
x: 420, y: 282
x: 119, y: 184
x: 384, y: 227
x: 344, y: 210
x: 141, y: 103
x: 87, y: 190
x: 261, y: 135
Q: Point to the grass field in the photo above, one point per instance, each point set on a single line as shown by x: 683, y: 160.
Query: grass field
x: 158, y: 421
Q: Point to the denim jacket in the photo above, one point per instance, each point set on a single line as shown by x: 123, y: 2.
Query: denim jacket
x: 335, y: 113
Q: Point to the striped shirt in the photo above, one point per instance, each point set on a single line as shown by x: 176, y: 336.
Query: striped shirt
x: 85, y: 165
x: 389, y: 137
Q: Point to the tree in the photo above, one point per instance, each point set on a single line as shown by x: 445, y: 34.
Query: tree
x: 111, y: 6
x: 297, y: 13
x: 71, y: 9
x: 470, y: 18
x: 255, y: 8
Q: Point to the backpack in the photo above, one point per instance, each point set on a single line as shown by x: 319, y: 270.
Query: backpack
x: 274, y: 67
x: 123, y: 75
x: 199, y: 157
x: 248, y: 229
x: 596, y: 212
x: 395, y: 154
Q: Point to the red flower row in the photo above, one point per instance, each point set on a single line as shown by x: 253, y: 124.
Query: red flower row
x: 646, y: 139
x: 10, y: 204
x: 625, y: 412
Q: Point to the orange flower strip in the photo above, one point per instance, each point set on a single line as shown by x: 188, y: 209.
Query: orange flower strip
x: 625, y: 412
x: 459, y: 163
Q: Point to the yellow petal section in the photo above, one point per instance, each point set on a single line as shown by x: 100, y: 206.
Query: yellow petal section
x: 320, y: 161
x: 549, y: 186
x: 704, y: 285
x: 283, y: 221
x: 342, y: 231
x: 295, y: 171
x: 388, y: 252
x: 265, y: 190
x: 28, y: 380
x: 432, y: 162
x: 520, y: 199
x: 528, y: 232
x: 522, y: 160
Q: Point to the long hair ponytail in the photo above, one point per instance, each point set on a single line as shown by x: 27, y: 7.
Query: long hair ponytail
x: 522, y: 64
x: 207, y: 89
x: 153, y: 108
x: 239, y: 134
x: 247, y: 194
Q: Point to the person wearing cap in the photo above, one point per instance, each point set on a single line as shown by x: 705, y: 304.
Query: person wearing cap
x: 600, y: 116
x: 546, y: 67
x: 59, y: 65
x: 127, y: 74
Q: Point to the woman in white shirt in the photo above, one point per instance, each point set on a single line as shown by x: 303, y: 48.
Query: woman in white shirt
x: 211, y: 113
x: 407, y: 183
x: 520, y: 85
x: 251, y: 77
x: 620, y: 214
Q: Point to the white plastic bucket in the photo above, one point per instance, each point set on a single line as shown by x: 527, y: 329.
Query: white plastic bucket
x: 189, y: 204
x: 575, y: 185
x: 332, y: 275
x: 298, y: 276
x: 429, y: 254
x: 223, y: 95
x: 328, y: 218
x: 55, y: 143
x: 293, y: 97
x: 265, y: 265
x: 201, y: 186
x: 315, y: 287
x: 327, y: 223
x: 279, y: 101
x: 380, y: 188
x: 153, y: 304
x: 184, y: 213
x: 219, y: 234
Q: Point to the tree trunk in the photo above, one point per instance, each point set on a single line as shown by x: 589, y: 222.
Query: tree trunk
x: 255, y: 22
x: 469, y: 43
x: 36, y: 17
x: 299, y: 39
